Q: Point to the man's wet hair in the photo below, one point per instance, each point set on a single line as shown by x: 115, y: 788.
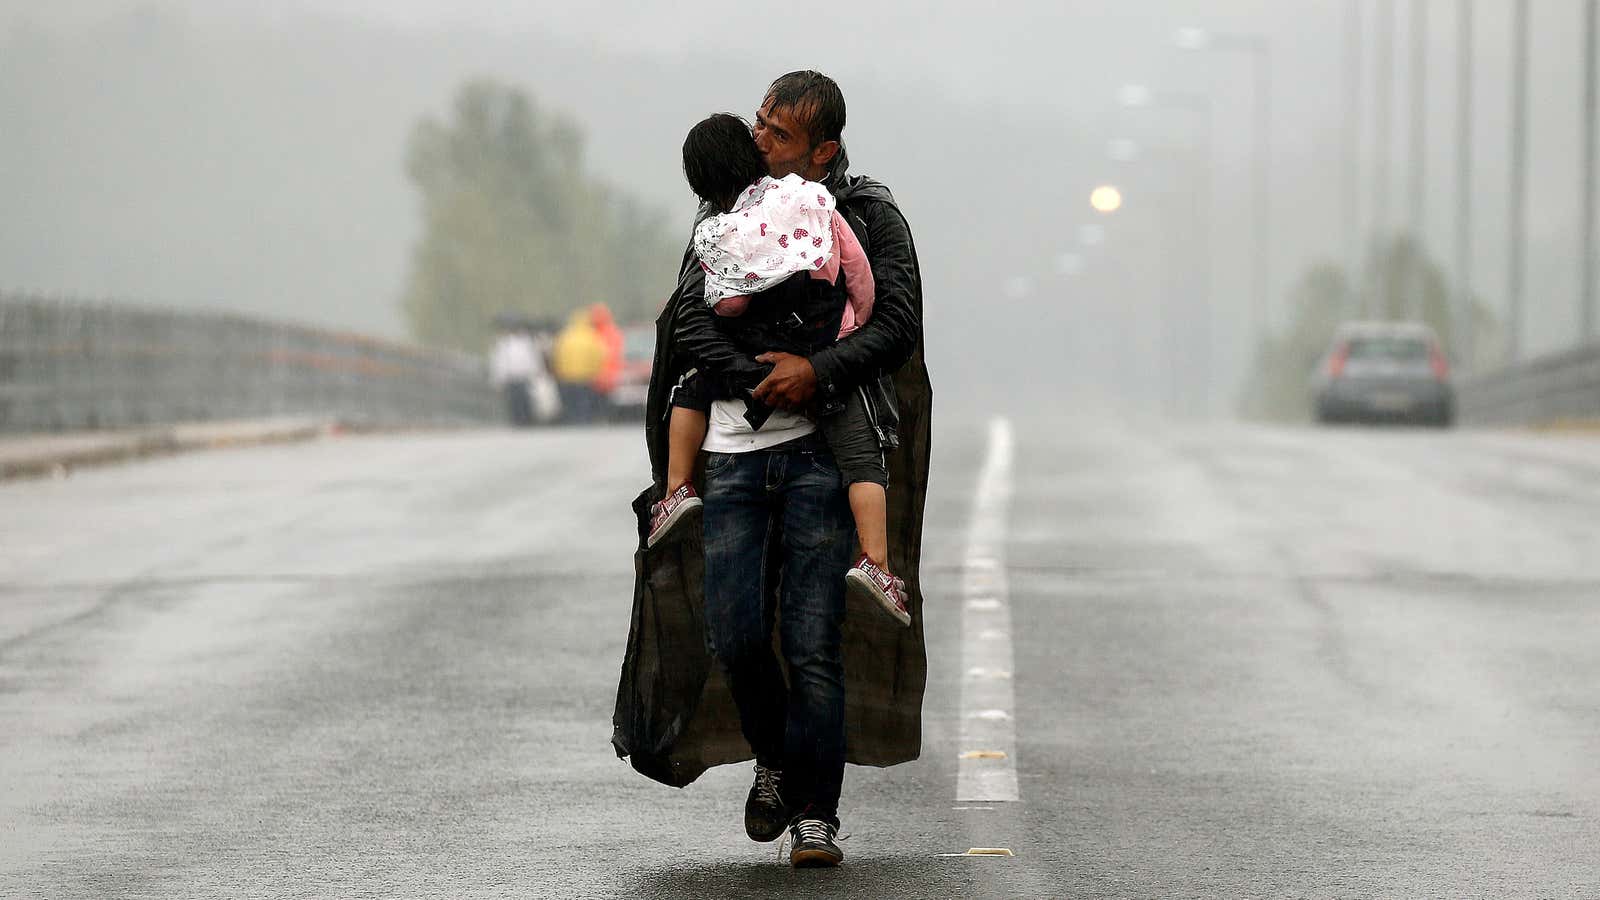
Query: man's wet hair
x: 720, y: 159
x: 815, y: 100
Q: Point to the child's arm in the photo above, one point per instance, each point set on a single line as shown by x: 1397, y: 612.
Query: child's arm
x: 699, y: 340
x: 895, y: 333
x: 720, y: 247
x: 732, y: 306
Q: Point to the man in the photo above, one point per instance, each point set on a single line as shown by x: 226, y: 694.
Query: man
x: 776, y: 519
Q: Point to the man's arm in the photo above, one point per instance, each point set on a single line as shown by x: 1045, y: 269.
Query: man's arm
x: 881, y: 346
x: 697, y: 337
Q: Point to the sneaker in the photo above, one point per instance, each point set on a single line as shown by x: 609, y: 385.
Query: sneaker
x: 765, y: 813
x: 869, y: 580
x: 814, y: 845
x: 677, y: 507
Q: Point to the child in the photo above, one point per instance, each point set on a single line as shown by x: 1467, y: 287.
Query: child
x: 764, y: 231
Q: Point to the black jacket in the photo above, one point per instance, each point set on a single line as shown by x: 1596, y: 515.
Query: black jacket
x: 674, y: 717
x: 801, y: 315
x: 869, y: 358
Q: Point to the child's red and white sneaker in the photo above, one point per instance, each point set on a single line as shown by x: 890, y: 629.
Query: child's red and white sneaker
x: 678, y: 507
x: 868, y: 579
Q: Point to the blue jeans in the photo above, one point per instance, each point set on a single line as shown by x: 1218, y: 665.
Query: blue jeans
x: 789, y: 507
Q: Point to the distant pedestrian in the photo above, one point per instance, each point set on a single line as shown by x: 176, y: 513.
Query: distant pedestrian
x: 542, y: 386
x: 605, y: 328
x: 512, y: 363
x: 579, y: 357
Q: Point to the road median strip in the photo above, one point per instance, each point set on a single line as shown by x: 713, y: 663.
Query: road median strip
x: 56, y: 455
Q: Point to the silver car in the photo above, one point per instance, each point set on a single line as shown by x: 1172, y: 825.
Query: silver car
x: 1384, y: 372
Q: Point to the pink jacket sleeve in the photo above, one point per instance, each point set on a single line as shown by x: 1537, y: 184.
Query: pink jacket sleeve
x: 859, y: 286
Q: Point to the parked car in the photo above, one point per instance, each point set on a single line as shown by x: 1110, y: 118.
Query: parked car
x: 1384, y: 372
x: 633, y: 383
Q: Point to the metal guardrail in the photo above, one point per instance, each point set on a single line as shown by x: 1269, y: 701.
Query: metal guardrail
x: 68, y: 365
x: 1562, y: 387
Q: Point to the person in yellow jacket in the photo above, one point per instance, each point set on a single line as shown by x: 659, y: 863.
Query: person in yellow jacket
x: 579, y: 357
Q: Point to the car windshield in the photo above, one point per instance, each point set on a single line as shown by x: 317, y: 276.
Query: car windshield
x: 1397, y: 349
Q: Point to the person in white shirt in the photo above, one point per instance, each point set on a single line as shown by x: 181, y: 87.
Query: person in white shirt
x: 512, y: 364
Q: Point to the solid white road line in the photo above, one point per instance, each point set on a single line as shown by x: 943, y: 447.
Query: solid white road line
x: 987, y: 767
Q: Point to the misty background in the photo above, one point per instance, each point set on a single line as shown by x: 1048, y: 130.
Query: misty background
x: 216, y: 155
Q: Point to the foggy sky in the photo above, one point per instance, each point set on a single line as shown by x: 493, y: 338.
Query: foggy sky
x: 216, y: 155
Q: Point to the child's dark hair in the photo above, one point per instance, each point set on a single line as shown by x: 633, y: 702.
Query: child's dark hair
x: 720, y: 159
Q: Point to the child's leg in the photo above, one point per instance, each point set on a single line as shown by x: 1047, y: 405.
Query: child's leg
x: 686, y: 431
x: 855, y: 446
x: 854, y: 443
x: 869, y: 504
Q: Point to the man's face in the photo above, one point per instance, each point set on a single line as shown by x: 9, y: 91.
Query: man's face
x: 785, y: 144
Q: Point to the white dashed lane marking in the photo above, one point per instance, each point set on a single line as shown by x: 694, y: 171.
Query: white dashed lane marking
x: 987, y: 768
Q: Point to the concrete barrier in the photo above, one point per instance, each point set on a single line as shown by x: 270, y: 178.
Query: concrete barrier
x: 45, y: 455
x: 1561, y: 388
x: 67, y: 366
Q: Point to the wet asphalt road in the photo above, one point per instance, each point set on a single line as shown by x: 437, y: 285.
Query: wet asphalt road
x: 1248, y: 662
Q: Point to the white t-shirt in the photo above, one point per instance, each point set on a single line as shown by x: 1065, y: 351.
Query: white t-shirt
x: 513, y: 359
x: 728, y: 432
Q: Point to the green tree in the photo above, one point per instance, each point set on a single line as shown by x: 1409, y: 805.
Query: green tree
x: 1400, y: 284
x: 513, y: 224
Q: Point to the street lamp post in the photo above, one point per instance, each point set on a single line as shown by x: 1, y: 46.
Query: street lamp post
x: 1260, y: 53
x: 1383, y: 87
x: 1140, y: 97
x: 1519, y: 178
x: 1090, y: 258
x: 1352, y: 154
x: 1106, y: 200
x: 1419, y: 120
x: 1586, y: 253
x: 1467, y: 336
x: 1414, y: 304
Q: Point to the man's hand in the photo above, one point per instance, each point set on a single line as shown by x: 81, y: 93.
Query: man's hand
x: 790, y: 385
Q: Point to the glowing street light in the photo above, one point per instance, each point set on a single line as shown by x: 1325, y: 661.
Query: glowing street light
x: 1139, y: 97
x: 1106, y: 199
x: 1260, y: 51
